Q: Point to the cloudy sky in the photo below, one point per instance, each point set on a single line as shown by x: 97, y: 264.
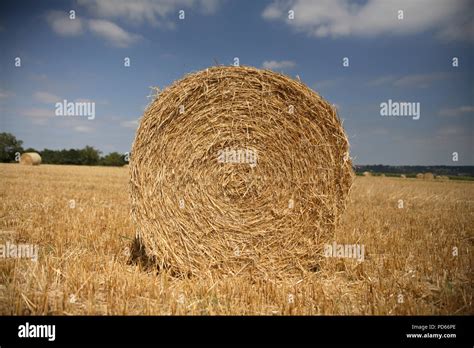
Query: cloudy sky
x: 82, y: 59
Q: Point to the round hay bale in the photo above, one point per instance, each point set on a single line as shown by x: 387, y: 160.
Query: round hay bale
x: 367, y: 174
x: 382, y: 175
x: 403, y: 176
x: 235, y: 170
x: 428, y: 176
x: 420, y: 176
x: 442, y: 177
x: 30, y: 159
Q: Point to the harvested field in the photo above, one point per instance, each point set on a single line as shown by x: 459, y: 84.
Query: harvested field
x: 418, y: 259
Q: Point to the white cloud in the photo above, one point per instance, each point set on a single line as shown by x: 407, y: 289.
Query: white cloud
x: 154, y: 12
x: 324, y: 84
x: 461, y: 30
x: 114, y: 34
x: 339, y: 18
x: 83, y: 100
x: 276, y: 65
x: 208, y: 6
x: 129, y: 124
x: 5, y: 94
x: 46, y: 98
x: 163, y: 13
x: 38, y: 113
x: 83, y: 129
x: 420, y: 80
x: 458, y: 111
x: 274, y: 11
x: 379, y: 131
x: 413, y: 80
x: 63, y: 25
x: 450, y: 131
x: 39, y: 77
x: 382, y: 80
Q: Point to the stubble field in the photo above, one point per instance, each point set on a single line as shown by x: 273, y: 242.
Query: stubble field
x: 418, y: 253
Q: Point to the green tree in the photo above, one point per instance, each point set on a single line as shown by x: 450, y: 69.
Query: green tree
x: 89, y: 156
x: 113, y: 159
x: 86, y: 156
x: 50, y: 156
x: 9, y: 145
x: 71, y: 156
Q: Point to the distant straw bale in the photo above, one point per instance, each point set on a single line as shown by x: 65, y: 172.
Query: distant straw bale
x: 30, y: 159
x: 442, y: 177
x: 428, y: 176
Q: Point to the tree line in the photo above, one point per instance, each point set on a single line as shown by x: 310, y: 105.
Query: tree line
x: 11, y: 147
x: 413, y: 170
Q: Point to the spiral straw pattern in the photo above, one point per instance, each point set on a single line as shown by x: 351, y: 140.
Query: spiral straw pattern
x: 237, y: 169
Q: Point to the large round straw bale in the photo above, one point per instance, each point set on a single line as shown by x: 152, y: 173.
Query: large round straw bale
x: 30, y: 158
x: 367, y: 173
x: 428, y: 176
x: 236, y: 169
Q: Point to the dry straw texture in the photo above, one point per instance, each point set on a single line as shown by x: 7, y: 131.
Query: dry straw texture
x: 30, y: 159
x: 269, y: 206
x: 428, y: 176
x: 81, y: 252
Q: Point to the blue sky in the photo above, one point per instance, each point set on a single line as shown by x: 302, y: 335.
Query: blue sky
x: 407, y: 60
